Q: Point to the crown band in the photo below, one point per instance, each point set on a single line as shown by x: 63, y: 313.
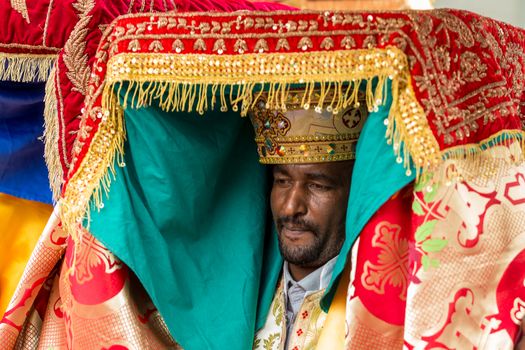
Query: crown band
x: 298, y: 134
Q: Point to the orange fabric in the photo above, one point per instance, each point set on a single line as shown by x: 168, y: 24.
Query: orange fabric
x: 21, y: 223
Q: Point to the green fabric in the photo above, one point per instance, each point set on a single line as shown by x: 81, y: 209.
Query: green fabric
x: 376, y: 177
x: 187, y: 214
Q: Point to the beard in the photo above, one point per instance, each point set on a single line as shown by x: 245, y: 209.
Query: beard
x: 306, y: 255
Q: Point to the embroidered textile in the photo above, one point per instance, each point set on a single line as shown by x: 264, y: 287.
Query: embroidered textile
x: 456, y: 84
x: 305, y: 331
x: 447, y: 103
x: 102, y: 306
x: 444, y: 268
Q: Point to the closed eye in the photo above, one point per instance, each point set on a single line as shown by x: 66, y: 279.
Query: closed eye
x: 319, y: 187
x: 281, y: 181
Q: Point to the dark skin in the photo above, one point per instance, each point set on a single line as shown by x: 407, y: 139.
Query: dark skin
x: 308, y: 204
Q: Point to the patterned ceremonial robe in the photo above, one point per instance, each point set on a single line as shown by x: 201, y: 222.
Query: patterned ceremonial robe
x: 307, y: 327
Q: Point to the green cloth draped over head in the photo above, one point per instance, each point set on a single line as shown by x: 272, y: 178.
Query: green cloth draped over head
x: 189, y: 215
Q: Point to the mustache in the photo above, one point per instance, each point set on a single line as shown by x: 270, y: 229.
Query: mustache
x: 296, y: 222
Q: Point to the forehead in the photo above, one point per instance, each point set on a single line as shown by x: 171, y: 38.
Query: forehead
x: 332, y: 169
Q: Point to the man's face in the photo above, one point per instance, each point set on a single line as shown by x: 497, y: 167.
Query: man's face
x: 309, y: 210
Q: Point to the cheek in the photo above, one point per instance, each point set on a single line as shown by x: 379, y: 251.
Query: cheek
x: 322, y: 209
x: 330, y: 213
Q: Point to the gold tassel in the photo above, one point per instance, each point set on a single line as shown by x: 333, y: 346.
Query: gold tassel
x: 25, y: 67
x: 407, y: 128
x: 91, y: 182
x: 51, y: 136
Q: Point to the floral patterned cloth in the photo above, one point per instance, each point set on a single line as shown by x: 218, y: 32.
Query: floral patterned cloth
x: 442, y: 266
x: 305, y: 331
x: 101, y: 306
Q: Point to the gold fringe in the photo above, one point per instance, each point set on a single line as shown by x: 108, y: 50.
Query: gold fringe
x: 507, y: 138
x: 51, y: 136
x: 25, y: 67
x: 96, y: 171
x: 195, y: 82
x: 330, y: 79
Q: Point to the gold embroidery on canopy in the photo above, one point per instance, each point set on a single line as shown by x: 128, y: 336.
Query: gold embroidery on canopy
x: 20, y: 6
x: 75, y: 58
x: 44, y: 35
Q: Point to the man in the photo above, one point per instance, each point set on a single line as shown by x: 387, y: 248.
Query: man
x: 308, y: 203
x: 313, y: 152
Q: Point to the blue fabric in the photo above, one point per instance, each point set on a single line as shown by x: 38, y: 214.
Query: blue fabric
x: 23, y: 171
x: 376, y: 177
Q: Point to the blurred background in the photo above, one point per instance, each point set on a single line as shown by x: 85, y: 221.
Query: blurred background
x: 510, y: 11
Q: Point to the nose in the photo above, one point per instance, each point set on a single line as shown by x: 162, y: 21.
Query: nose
x: 295, y: 202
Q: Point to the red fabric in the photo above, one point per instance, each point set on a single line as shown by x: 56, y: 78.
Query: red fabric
x: 71, y: 100
x: 393, y: 226
x: 471, y: 293
x: 467, y: 70
x: 48, y: 26
x: 26, y: 35
x: 69, y: 96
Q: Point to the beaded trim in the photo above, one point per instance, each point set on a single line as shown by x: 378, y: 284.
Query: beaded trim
x: 190, y: 83
x: 197, y: 61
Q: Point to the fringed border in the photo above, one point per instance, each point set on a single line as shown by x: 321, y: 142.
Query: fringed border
x: 204, y: 82
x: 25, y: 68
x: 96, y: 171
x: 198, y: 83
x: 51, y: 136
x: 195, y: 82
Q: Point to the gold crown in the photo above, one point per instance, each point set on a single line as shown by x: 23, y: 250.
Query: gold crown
x: 300, y: 134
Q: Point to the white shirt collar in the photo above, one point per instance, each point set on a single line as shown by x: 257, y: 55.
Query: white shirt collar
x: 313, y: 282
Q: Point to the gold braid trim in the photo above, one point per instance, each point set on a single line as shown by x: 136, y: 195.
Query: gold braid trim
x: 92, y: 179
x: 199, y: 83
x: 202, y: 82
x: 184, y: 83
x: 51, y: 133
x: 25, y: 67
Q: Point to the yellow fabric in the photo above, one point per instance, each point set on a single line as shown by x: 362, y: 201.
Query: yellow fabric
x: 333, y: 334
x: 21, y: 223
